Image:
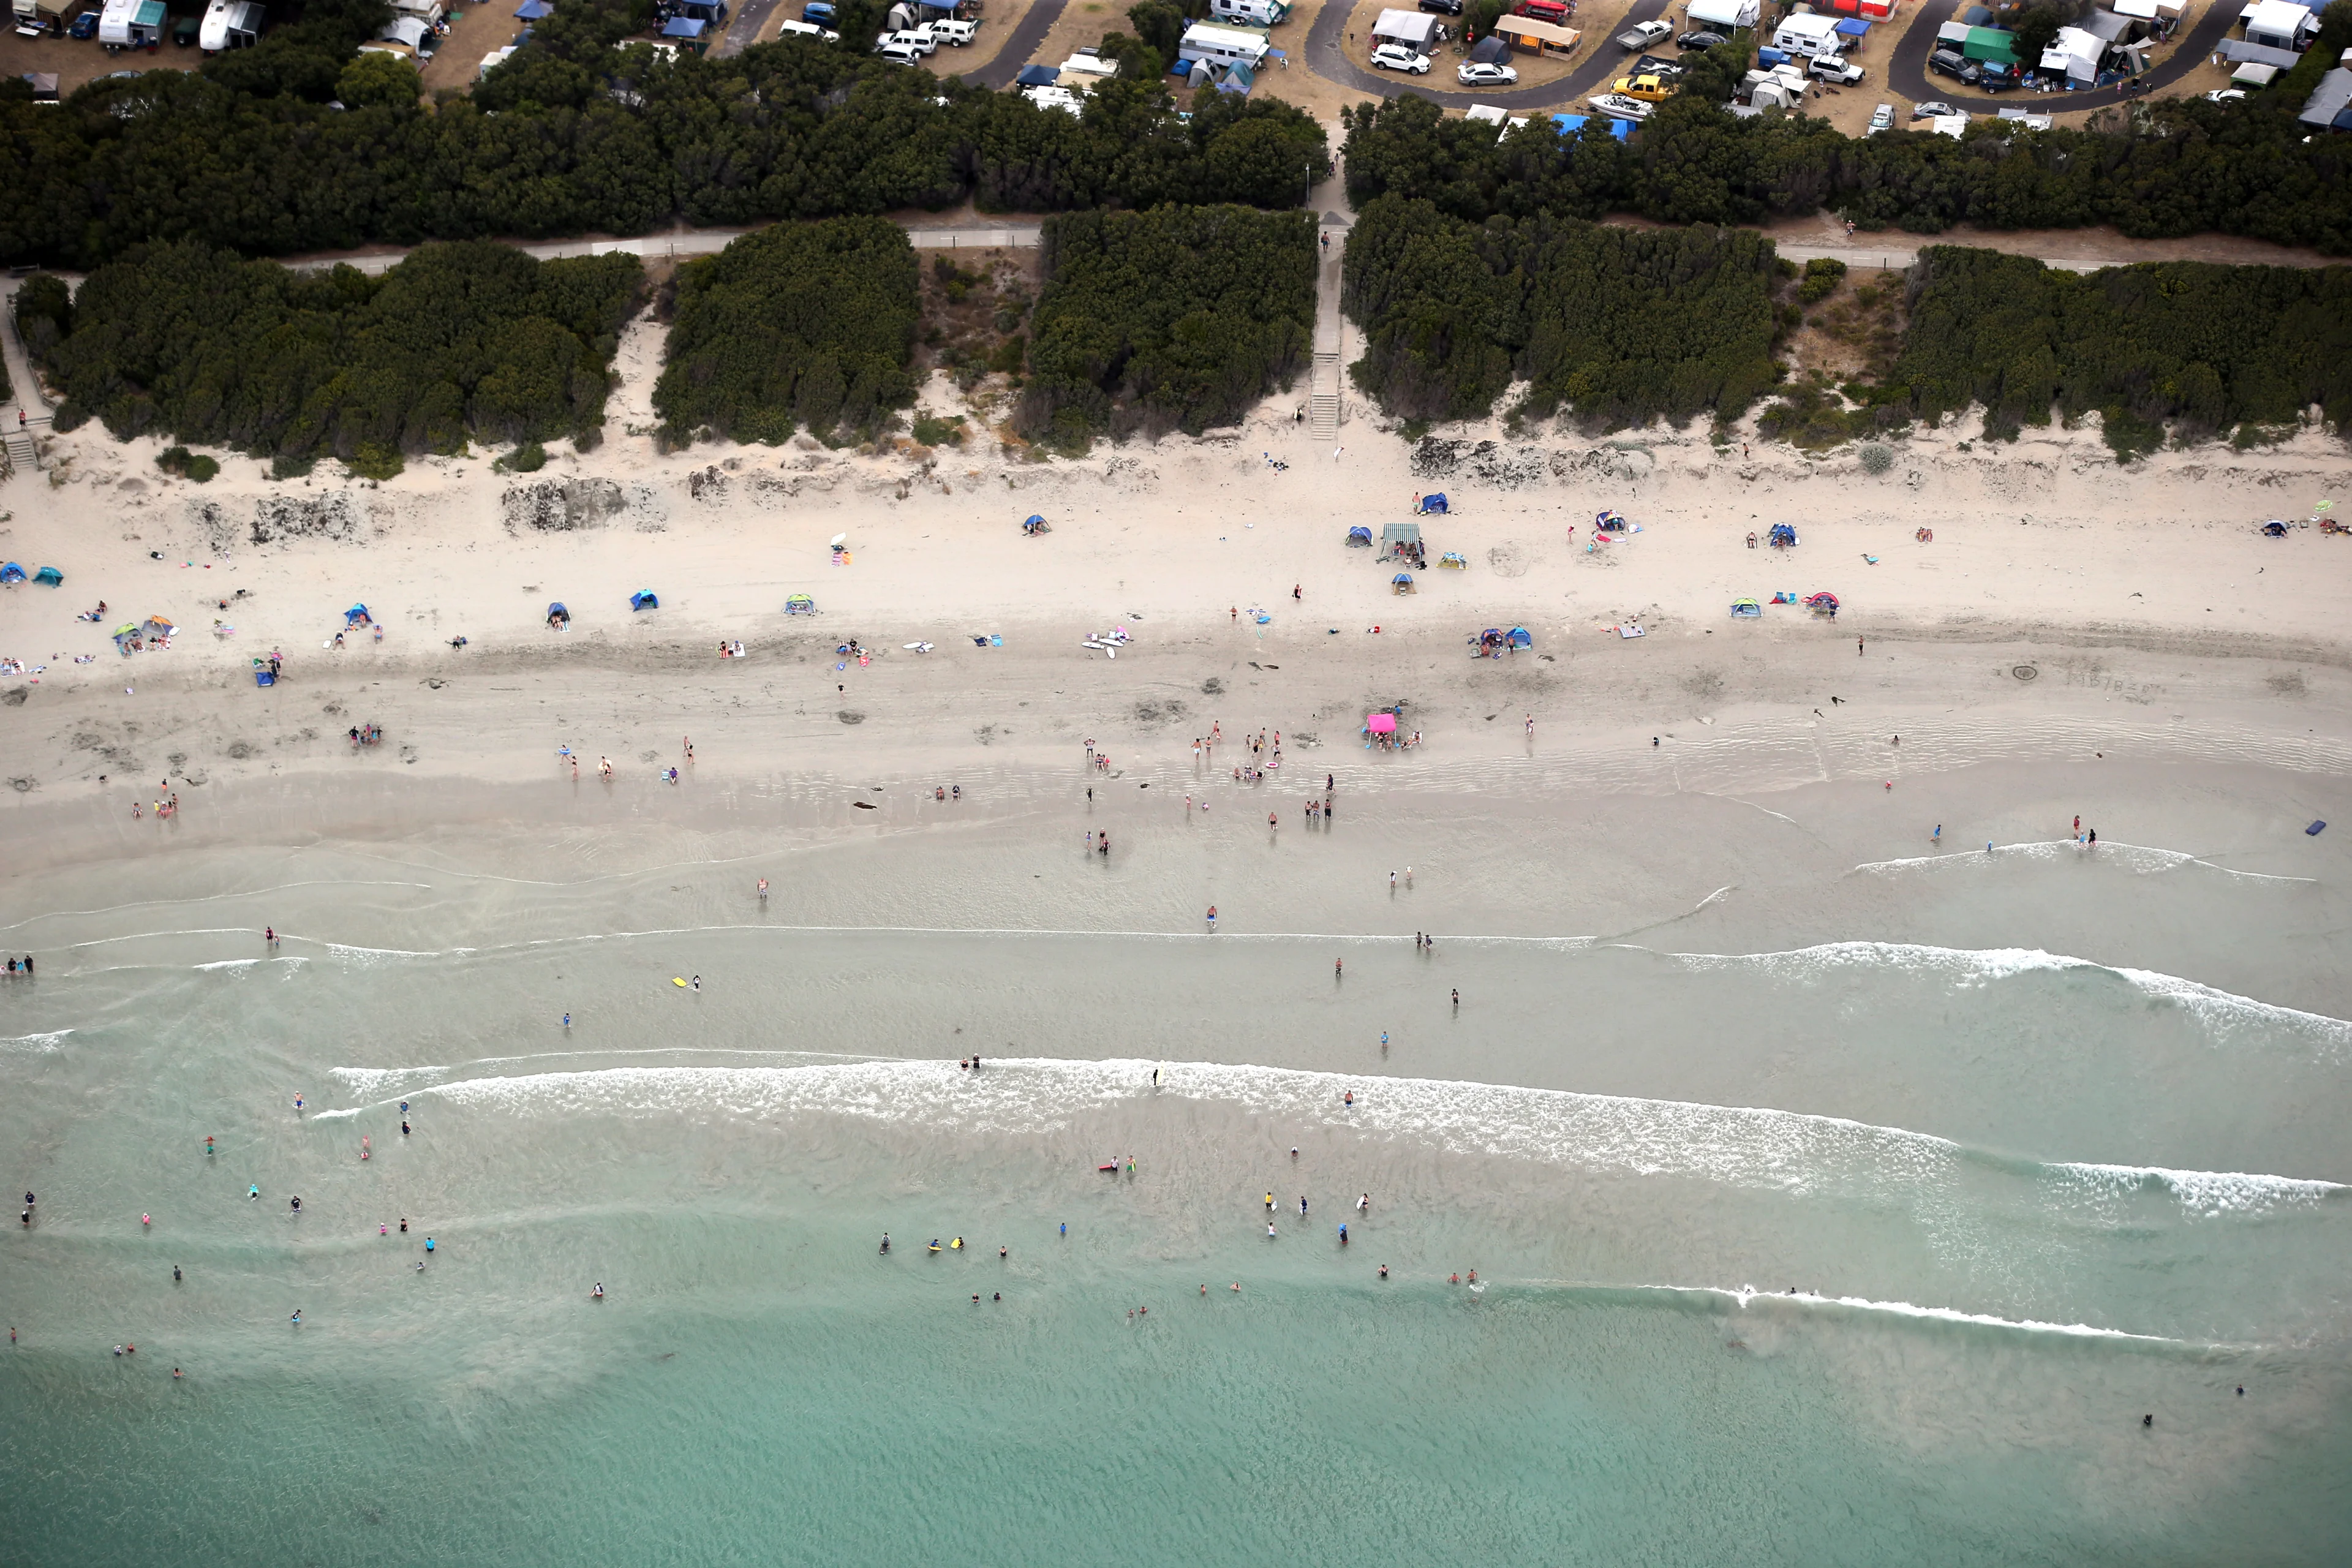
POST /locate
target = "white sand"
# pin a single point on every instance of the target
(2141, 592)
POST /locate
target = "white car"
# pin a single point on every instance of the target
(792, 29)
(1882, 119)
(899, 52)
(953, 32)
(918, 39)
(1397, 58)
(1833, 68)
(1617, 105)
(2225, 95)
(1479, 74)
(1641, 35)
(1934, 109)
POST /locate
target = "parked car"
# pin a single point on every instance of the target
(897, 51)
(918, 39)
(1397, 58)
(1641, 35)
(1648, 88)
(1700, 39)
(1955, 65)
(954, 34)
(1833, 68)
(2225, 95)
(85, 27)
(1475, 73)
(1673, 70)
(1882, 119)
(1441, 7)
(791, 28)
(1994, 77)
(1933, 108)
(185, 31)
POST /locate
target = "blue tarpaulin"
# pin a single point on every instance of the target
(1037, 76)
(1854, 27)
(687, 27)
(533, 10)
(1569, 124)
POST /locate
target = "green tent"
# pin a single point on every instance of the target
(1991, 44)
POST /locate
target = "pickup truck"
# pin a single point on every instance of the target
(1640, 37)
(953, 32)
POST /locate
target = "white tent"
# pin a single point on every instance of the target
(2075, 52)
(1725, 15)
(409, 30)
(2281, 25)
(1413, 29)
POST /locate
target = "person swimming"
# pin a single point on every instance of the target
(175, 1274)
(598, 1293)
(255, 1192)
(297, 1204)
(886, 1241)
(297, 1317)
(956, 1246)
(935, 1243)
(428, 1244)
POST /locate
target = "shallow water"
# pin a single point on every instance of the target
(2026, 1193)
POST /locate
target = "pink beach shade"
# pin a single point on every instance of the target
(1381, 723)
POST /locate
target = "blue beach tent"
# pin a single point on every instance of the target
(643, 599)
(49, 576)
(11, 572)
(1359, 537)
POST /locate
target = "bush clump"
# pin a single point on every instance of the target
(456, 340)
(1620, 325)
(192, 466)
(1823, 275)
(802, 324)
(1180, 318)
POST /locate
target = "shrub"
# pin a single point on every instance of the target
(285, 467)
(1620, 325)
(527, 458)
(1823, 275)
(192, 466)
(931, 432)
(1875, 459)
(1177, 318)
(479, 338)
(802, 324)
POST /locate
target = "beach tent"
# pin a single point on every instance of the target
(1430, 503)
(126, 633)
(1360, 537)
(156, 627)
(1453, 559)
(799, 604)
(1747, 608)
(1608, 523)
(11, 572)
(1782, 536)
(1380, 724)
(50, 575)
(557, 615)
(1520, 637)
(1401, 583)
(357, 616)
(1822, 604)
(643, 599)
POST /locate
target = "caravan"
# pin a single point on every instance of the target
(1807, 35)
(131, 25)
(1223, 48)
(229, 24)
(1248, 12)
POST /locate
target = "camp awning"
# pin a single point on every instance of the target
(1411, 28)
(533, 10)
(687, 27)
(2329, 99)
(1381, 723)
(1856, 29)
(1037, 76)
(2236, 50)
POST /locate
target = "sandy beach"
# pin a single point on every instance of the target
(1776, 1113)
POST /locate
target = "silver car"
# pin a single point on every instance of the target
(1476, 73)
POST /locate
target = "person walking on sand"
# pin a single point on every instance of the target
(1857, 647)
(604, 767)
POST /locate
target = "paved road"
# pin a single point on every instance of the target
(998, 73)
(744, 26)
(1906, 69)
(1327, 56)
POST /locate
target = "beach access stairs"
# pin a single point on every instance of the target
(1327, 376)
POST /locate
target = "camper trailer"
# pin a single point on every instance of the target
(35, 18)
(1248, 12)
(1221, 46)
(229, 24)
(131, 25)
(1807, 35)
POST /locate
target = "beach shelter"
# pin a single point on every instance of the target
(1608, 523)
(1746, 608)
(557, 615)
(1380, 724)
(11, 572)
(1359, 538)
(51, 576)
(799, 604)
(1784, 536)
(1823, 604)
(1453, 560)
(1430, 503)
(643, 599)
(357, 616)
(1401, 583)
(126, 634)
(1400, 534)
(156, 627)
(1520, 637)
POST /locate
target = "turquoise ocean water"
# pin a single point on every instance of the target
(2025, 1196)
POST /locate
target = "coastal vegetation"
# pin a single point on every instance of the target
(1179, 318)
(2202, 348)
(293, 146)
(458, 341)
(1620, 325)
(2154, 169)
(798, 325)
